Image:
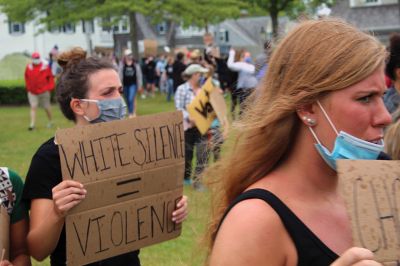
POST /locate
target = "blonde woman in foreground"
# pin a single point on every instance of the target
(277, 200)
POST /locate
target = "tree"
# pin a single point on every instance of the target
(202, 13)
(53, 13)
(288, 7)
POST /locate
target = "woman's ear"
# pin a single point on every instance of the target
(307, 114)
(77, 106)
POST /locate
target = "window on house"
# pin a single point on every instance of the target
(124, 25)
(16, 28)
(68, 28)
(162, 28)
(223, 36)
(88, 26)
(105, 24)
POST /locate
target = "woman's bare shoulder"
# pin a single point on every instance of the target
(251, 234)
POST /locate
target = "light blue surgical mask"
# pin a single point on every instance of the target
(109, 110)
(346, 146)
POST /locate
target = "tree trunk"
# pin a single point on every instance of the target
(171, 41)
(275, 24)
(133, 35)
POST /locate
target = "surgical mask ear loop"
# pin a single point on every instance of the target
(329, 121)
(90, 101)
(327, 118)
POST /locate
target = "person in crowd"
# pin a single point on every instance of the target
(276, 191)
(392, 140)
(262, 61)
(150, 76)
(131, 76)
(160, 72)
(169, 72)
(226, 77)
(184, 95)
(392, 97)
(88, 92)
(11, 187)
(178, 68)
(247, 80)
(195, 57)
(39, 82)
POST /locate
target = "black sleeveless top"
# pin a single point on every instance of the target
(311, 251)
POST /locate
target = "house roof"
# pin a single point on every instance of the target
(371, 18)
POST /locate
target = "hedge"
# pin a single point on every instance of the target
(13, 92)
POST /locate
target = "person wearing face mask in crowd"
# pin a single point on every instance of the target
(39, 82)
(184, 95)
(321, 101)
(88, 91)
(247, 81)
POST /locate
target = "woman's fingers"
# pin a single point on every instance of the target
(181, 212)
(356, 256)
(66, 195)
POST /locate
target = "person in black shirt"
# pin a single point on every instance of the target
(177, 69)
(169, 71)
(150, 76)
(277, 193)
(88, 91)
(131, 75)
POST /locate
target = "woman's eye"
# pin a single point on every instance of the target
(365, 99)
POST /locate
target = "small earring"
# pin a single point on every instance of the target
(311, 122)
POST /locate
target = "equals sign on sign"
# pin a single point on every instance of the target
(127, 182)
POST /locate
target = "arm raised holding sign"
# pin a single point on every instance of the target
(277, 189)
(88, 92)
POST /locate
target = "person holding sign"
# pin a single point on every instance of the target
(185, 94)
(277, 189)
(88, 92)
(11, 187)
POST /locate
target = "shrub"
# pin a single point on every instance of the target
(12, 92)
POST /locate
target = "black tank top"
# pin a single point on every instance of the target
(311, 251)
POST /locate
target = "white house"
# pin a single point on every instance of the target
(26, 37)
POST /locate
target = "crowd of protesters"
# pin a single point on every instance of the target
(280, 122)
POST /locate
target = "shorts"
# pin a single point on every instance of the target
(42, 99)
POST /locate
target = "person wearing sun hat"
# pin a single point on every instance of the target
(184, 95)
(39, 83)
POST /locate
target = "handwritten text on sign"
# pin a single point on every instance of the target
(132, 171)
(372, 193)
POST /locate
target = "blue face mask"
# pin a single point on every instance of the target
(347, 147)
(109, 110)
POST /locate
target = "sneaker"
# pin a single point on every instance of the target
(31, 128)
(143, 96)
(187, 182)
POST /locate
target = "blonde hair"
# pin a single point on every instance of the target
(392, 137)
(316, 57)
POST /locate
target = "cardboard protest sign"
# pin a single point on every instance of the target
(4, 232)
(371, 190)
(219, 105)
(150, 47)
(200, 109)
(133, 172)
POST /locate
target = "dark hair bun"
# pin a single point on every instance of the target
(72, 57)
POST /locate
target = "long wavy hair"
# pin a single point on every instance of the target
(316, 57)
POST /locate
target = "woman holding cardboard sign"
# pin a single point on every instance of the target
(14, 219)
(277, 192)
(88, 91)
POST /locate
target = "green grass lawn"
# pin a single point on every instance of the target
(17, 146)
